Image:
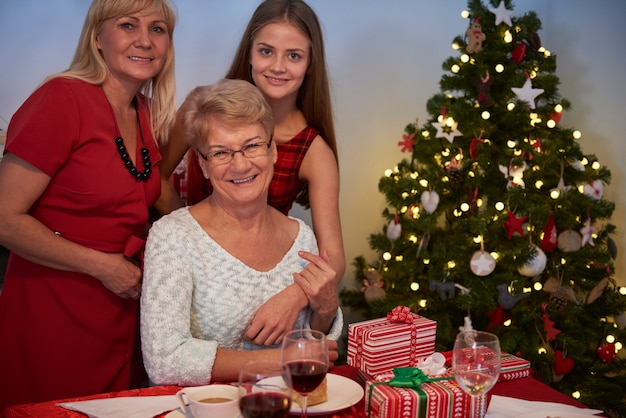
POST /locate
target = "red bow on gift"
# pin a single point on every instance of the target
(400, 314)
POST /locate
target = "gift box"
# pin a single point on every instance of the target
(379, 345)
(512, 367)
(437, 399)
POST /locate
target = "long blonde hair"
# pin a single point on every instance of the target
(89, 66)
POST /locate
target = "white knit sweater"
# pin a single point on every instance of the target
(197, 297)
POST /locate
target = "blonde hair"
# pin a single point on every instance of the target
(89, 66)
(231, 102)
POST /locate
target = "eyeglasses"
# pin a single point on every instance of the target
(226, 155)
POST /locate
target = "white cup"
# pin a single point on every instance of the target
(211, 401)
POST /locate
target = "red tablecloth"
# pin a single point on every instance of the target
(525, 388)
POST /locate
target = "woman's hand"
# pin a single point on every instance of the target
(276, 317)
(318, 281)
(120, 275)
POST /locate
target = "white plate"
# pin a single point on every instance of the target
(554, 414)
(342, 393)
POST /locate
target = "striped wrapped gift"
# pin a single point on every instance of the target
(439, 399)
(512, 367)
(379, 345)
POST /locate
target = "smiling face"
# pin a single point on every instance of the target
(134, 47)
(242, 180)
(279, 59)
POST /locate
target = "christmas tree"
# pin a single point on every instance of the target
(497, 216)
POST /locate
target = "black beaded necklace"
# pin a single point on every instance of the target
(145, 154)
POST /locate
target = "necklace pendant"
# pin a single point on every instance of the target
(145, 154)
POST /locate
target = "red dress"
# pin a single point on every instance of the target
(63, 334)
(285, 183)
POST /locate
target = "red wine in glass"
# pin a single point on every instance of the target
(304, 354)
(306, 375)
(265, 405)
(264, 389)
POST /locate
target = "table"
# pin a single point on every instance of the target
(526, 388)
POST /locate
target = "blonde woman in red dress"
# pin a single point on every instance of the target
(76, 182)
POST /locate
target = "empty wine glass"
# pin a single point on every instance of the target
(305, 354)
(265, 390)
(476, 363)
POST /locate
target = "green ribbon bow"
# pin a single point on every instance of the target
(406, 377)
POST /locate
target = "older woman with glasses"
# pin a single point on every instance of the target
(210, 267)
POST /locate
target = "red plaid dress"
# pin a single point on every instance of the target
(285, 184)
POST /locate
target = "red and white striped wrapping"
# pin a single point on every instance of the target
(513, 367)
(441, 399)
(379, 345)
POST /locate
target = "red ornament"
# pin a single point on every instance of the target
(473, 148)
(534, 41)
(519, 53)
(556, 117)
(483, 86)
(497, 318)
(536, 144)
(548, 325)
(549, 241)
(407, 143)
(562, 365)
(606, 352)
(514, 224)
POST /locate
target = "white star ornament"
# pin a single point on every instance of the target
(502, 14)
(587, 231)
(482, 263)
(452, 132)
(527, 93)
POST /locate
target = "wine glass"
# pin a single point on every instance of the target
(265, 390)
(476, 363)
(305, 354)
